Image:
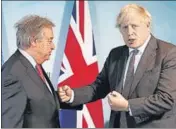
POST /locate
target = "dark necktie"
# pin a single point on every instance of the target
(129, 74)
(127, 85)
(40, 72)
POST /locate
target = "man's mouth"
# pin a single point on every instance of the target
(49, 53)
(131, 41)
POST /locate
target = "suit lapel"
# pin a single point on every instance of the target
(52, 89)
(148, 56)
(120, 68)
(32, 73)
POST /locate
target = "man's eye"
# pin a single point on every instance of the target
(134, 26)
(125, 27)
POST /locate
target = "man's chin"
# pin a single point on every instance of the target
(133, 45)
(47, 58)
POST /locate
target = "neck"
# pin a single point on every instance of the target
(35, 55)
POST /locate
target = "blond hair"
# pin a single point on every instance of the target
(146, 16)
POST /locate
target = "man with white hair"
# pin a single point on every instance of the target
(28, 97)
(139, 77)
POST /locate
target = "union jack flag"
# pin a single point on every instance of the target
(79, 68)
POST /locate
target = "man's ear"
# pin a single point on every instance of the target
(33, 42)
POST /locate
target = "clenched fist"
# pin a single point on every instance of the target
(65, 93)
(117, 102)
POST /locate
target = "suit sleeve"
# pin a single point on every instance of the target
(165, 94)
(13, 103)
(97, 90)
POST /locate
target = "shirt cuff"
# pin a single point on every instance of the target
(129, 109)
(72, 98)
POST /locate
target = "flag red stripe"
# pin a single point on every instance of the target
(83, 74)
(81, 18)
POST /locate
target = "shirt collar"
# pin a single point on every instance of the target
(29, 57)
(141, 48)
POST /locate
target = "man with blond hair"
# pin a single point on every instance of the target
(28, 97)
(139, 77)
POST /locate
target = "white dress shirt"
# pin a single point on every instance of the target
(32, 61)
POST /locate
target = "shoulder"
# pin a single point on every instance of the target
(118, 50)
(12, 66)
(12, 72)
(116, 53)
(167, 51)
(165, 47)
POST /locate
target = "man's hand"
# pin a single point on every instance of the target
(65, 93)
(117, 102)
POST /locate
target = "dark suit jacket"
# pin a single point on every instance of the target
(152, 97)
(26, 100)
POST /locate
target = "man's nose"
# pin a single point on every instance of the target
(52, 46)
(130, 31)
